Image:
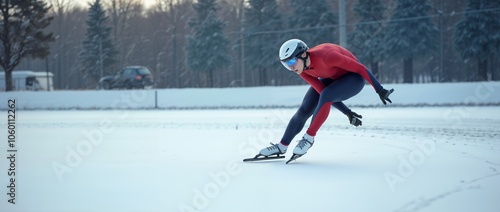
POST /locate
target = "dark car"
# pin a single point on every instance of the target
(129, 77)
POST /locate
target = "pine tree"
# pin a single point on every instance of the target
(315, 16)
(477, 35)
(98, 54)
(366, 40)
(261, 46)
(207, 47)
(410, 34)
(22, 35)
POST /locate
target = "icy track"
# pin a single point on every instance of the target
(401, 159)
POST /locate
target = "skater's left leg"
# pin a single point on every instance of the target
(295, 124)
(338, 91)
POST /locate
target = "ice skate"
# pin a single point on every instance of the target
(304, 144)
(275, 151)
(301, 149)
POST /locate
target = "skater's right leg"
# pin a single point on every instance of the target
(300, 117)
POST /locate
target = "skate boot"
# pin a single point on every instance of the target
(304, 144)
(274, 149)
(301, 149)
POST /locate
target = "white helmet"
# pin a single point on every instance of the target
(291, 49)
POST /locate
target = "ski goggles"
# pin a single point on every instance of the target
(290, 63)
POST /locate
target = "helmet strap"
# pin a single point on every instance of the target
(305, 60)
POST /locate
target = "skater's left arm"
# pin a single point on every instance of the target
(354, 118)
(313, 81)
(341, 107)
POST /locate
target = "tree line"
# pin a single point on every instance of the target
(225, 43)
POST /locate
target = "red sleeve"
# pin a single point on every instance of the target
(335, 58)
(313, 81)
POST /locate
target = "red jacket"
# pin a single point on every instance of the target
(333, 61)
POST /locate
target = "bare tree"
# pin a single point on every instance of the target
(59, 50)
(125, 34)
(21, 34)
(168, 25)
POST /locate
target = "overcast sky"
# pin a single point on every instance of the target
(147, 3)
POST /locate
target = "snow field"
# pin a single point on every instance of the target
(405, 95)
(401, 159)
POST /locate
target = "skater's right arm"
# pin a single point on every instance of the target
(342, 58)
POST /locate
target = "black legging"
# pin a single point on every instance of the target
(335, 92)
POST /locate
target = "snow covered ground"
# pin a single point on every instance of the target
(401, 159)
(434, 94)
(406, 158)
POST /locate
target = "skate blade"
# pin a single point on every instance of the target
(294, 157)
(260, 157)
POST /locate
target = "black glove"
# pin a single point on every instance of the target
(354, 119)
(384, 95)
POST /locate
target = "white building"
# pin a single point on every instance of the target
(28, 80)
